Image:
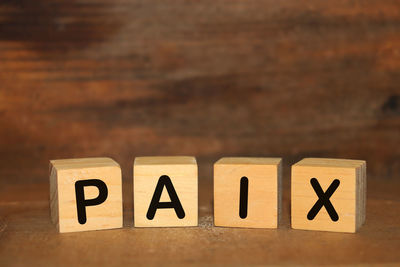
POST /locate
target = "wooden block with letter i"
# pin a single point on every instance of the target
(165, 191)
(85, 194)
(328, 194)
(247, 192)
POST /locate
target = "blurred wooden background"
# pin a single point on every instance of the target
(217, 78)
(205, 78)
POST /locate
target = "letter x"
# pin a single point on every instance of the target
(323, 200)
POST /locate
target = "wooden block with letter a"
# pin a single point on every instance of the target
(85, 194)
(247, 192)
(328, 194)
(165, 191)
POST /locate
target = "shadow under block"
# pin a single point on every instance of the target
(151, 173)
(64, 175)
(263, 194)
(347, 195)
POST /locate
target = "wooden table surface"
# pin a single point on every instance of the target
(212, 78)
(27, 236)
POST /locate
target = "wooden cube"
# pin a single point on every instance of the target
(85, 194)
(165, 191)
(328, 194)
(247, 192)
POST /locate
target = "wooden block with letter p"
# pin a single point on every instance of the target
(328, 194)
(247, 192)
(85, 194)
(165, 191)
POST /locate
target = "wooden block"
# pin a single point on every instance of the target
(247, 192)
(85, 194)
(328, 194)
(165, 191)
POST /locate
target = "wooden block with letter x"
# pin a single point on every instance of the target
(85, 194)
(247, 192)
(165, 191)
(328, 194)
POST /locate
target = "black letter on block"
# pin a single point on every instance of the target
(324, 200)
(82, 203)
(244, 195)
(155, 201)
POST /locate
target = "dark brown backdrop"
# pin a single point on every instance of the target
(204, 78)
(213, 78)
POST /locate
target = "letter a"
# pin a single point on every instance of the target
(155, 201)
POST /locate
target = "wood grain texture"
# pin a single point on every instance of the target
(25, 218)
(122, 78)
(348, 198)
(263, 207)
(127, 78)
(182, 172)
(63, 203)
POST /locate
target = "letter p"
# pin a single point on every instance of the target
(82, 203)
